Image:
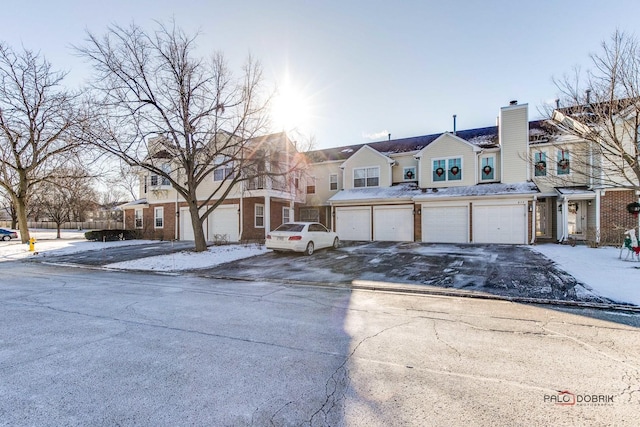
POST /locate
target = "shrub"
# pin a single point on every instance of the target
(111, 235)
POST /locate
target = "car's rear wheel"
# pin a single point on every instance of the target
(336, 243)
(310, 248)
(5, 238)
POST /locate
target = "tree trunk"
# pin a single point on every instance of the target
(21, 211)
(58, 231)
(196, 222)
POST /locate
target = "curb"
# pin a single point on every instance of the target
(405, 288)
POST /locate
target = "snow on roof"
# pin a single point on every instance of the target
(412, 191)
(134, 203)
(574, 190)
(401, 191)
(480, 190)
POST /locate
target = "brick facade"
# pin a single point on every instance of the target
(614, 217)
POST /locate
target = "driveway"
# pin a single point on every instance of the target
(505, 270)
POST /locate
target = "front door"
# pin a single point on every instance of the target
(543, 228)
(577, 218)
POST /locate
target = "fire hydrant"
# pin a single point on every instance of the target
(32, 246)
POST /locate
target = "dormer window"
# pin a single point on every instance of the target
(409, 173)
(564, 162)
(366, 177)
(447, 169)
(487, 168)
(540, 163)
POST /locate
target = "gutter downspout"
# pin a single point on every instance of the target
(177, 220)
(598, 217)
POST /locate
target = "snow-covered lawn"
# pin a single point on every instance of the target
(600, 269)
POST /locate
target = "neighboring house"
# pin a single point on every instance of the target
(513, 183)
(250, 210)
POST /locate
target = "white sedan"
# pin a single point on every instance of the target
(301, 237)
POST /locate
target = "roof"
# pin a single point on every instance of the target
(410, 191)
(486, 137)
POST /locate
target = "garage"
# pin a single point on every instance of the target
(223, 224)
(445, 224)
(186, 229)
(354, 223)
(393, 223)
(500, 223)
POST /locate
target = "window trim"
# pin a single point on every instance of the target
(256, 216)
(224, 165)
(288, 210)
(332, 182)
(544, 158)
(562, 152)
(311, 185)
(156, 218)
(136, 218)
(446, 169)
(366, 177)
(414, 171)
(493, 168)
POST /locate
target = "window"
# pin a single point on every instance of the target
(333, 181)
(311, 185)
(309, 215)
(259, 216)
(454, 171)
(166, 168)
(540, 163)
(138, 218)
(154, 180)
(158, 214)
(487, 168)
(224, 168)
(318, 227)
(447, 169)
(439, 167)
(564, 164)
(286, 215)
(409, 173)
(366, 177)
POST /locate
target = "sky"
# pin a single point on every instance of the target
(355, 71)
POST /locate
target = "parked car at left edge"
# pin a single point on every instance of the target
(301, 237)
(7, 234)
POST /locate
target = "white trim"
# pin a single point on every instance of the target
(481, 172)
(135, 219)
(156, 217)
(365, 168)
(256, 216)
(446, 170)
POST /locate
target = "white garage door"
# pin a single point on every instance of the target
(393, 223)
(186, 230)
(500, 224)
(223, 224)
(445, 224)
(354, 223)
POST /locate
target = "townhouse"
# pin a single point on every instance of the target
(513, 183)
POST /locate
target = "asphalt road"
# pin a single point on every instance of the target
(91, 347)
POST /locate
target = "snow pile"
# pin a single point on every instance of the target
(187, 260)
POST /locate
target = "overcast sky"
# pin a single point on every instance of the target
(358, 70)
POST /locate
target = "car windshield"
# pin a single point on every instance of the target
(290, 227)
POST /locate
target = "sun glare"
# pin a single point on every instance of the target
(290, 109)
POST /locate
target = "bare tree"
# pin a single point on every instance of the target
(601, 109)
(37, 117)
(9, 208)
(178, 116)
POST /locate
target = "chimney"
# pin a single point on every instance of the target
(557, 103)
(588, 92)
(389, 137)
(513, 135)
(454, 124)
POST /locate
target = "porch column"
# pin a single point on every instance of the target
(565, 219)
(267, 215)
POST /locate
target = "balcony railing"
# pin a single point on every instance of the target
(278, 183)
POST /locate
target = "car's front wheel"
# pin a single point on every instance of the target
(336, 243)
(310, 248)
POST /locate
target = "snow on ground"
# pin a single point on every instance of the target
(191, 260)
(71, 241)
(601, 269)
